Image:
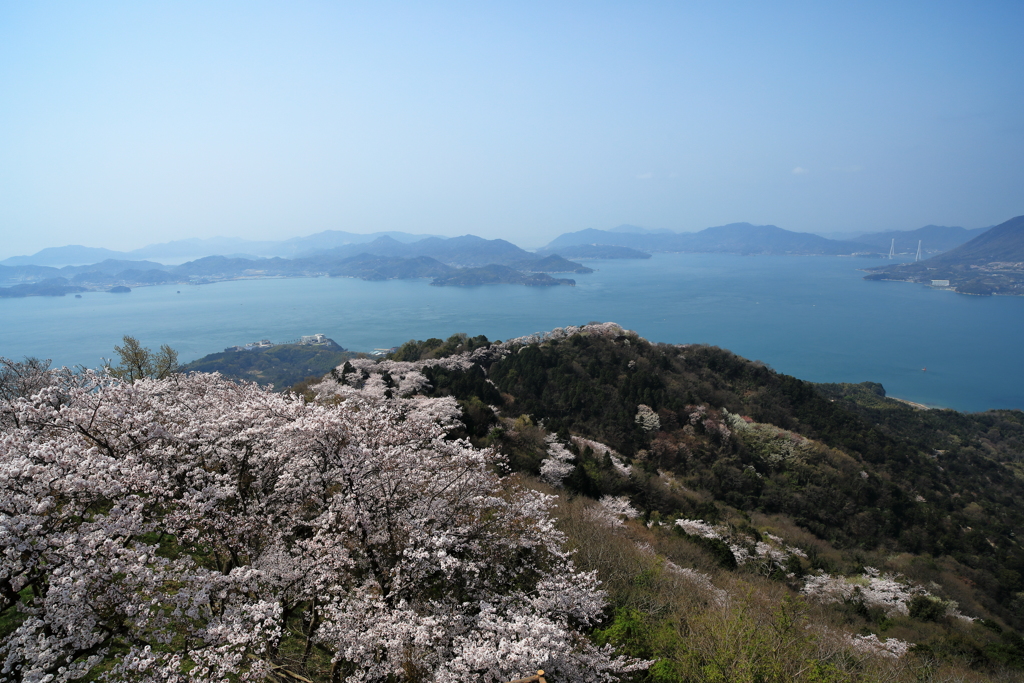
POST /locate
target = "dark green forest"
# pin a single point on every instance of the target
(282, 365)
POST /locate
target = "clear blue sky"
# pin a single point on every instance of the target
(122, 124)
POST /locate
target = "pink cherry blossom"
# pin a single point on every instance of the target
(180, 529)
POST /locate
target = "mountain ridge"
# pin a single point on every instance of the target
(934, 238)
(991, 263)
(192, 248)
(742, 238)
(693, 442)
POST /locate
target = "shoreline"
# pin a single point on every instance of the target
(922, 406)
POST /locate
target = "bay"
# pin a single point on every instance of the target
(812, 317)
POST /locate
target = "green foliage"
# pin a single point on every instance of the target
(283, 365)
(763, 631)
(716, 548)
(413, 350)
(753, 637)
(926, 608)
(1009, 650)
(11, 619)
(137, 361)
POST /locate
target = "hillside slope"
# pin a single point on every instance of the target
(1004, 242)
(744, 525)
(280, 365)
(693, 432)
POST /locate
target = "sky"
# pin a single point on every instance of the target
(128, 123)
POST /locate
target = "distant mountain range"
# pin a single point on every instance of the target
(190, 249)
(991, 263)
(464, 251)
(934, 239)
(744, 238)
(466, 260)
(735, 238)
(448, 260)
(629, 241)
(1002, 244)
(495, 274)
(637, 230)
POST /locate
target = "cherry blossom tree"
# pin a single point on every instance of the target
(193, 528)
(647, 418)
(558, 465)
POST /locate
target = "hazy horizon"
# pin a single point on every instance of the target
(228, 246)
(125, 125)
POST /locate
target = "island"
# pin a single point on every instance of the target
(460, 261)
(494, 274)
(54, 286)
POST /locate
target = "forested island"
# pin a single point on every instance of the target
(581, 501)
(462, 261)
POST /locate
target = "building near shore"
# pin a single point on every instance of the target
(313, 339)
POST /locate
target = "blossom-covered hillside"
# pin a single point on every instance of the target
(197, 529)
(580, 501)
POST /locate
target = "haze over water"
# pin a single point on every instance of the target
(125, 123)
(812, 317)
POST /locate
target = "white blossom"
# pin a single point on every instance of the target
(595, 446)
(696, 527)
(558, 465)
(171, 528)
(891, 648)
(769, 555)
(601, 449)
(891, 593)
(611, 509)
(647, 418)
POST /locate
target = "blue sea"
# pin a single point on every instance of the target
(808, 316)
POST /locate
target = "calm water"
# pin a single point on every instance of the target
(812, 317)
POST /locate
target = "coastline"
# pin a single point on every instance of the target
(730, 301)
(916, 405)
